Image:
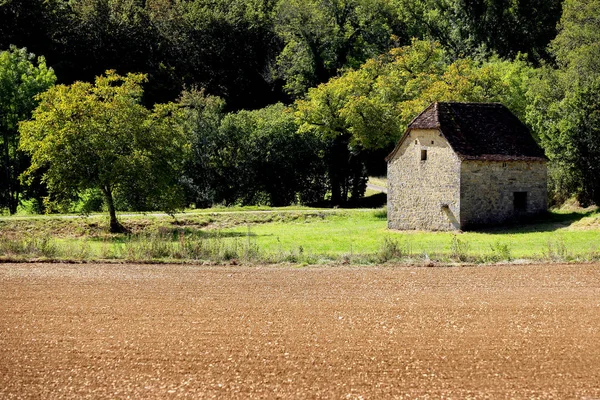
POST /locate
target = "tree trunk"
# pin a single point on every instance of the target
(15, 186)
(336, 193)
(12, 209)
(115, 225)
(338, 169)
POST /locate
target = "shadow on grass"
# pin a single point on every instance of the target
(547, 222)
(175, 235)
(374, 201)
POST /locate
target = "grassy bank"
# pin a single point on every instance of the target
(304, 236)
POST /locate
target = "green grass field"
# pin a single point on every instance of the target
(298, 235)
(357, 232)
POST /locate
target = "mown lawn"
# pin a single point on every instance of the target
(296, 235)
(364, 232)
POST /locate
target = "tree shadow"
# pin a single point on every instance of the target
(374, 201)
(545, 222)
(175, 234)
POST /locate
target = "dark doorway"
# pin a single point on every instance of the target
(520, 201)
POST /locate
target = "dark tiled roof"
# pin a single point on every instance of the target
(480, 131)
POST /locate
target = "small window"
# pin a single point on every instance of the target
(423, 155)
(520, 201)
(432, 142)
(416, 141)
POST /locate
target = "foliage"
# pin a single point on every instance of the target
(223, 45)
(202, 119)
(357, 79)
(250, 157)
(459, 249)
(564, 105)
(480, 28)
(374, 103)
(569, 130)
(369, 108)
(274, 160)
(577, 45)
(100, 137)
(322, 37)
(252, 52)
(22, 76)
(35, 25)
(393, 249)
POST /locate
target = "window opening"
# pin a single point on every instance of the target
(520, 201)
(423, 155)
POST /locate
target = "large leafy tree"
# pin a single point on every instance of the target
(321, 37)
(374, 104)
(369, 108)
(563, 104)
(577, 45)
(226, 47)
(568, 126)
(22, 77)
(106, 34)
(32, 24)
(99, 136)
(271, 163)
(480, 27)
(249, 157)
(202, 118)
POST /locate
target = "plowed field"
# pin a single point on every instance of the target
(168, 331)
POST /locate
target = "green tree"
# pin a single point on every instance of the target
(369, 108)
(278, 166)
(202, 118)
(32, 24)
(568, 126)
(577, 45)
(249, 157)
(323, 36)
(224, 46)
(478, 28)
(99, 136)
(374, 104)
(563, 104)
(22, 77)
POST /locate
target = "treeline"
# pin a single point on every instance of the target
(254, 53)
(295, 101)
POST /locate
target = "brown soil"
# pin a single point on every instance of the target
(166, 331)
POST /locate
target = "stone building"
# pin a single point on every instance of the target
(462, 165)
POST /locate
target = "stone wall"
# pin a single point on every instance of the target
(424, 194)
(488, 189)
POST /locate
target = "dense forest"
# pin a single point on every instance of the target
(162, 104)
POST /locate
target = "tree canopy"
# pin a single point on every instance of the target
(99, 136)
(22, 77)
(249, 157)
(253, 53)
(563, 104)
(374, 103)
(252, 92)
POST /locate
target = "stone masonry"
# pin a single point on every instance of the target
(418, 189)
(463, 165)
(488, 191)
